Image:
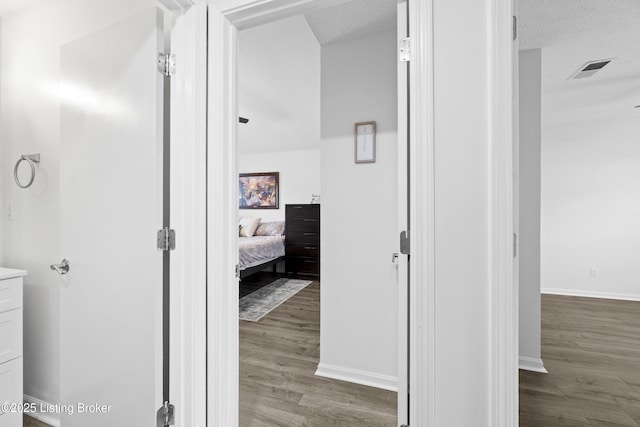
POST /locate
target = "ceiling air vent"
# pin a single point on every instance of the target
(589, 69)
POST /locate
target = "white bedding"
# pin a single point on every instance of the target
(257, 250)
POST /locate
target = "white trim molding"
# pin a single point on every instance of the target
(50, 418)
(532, 364)
(504, 298)
(222, 220)
(590, 294)
(422, 397)
(188, 216)
(357, 376)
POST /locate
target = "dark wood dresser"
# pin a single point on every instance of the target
(302, 243)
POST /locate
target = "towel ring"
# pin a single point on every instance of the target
(32, 159)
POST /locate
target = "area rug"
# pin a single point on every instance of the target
(258, 304)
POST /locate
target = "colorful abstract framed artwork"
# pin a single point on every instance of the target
(258, 190)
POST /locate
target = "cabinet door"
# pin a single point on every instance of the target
(10, 335)
(11, 392)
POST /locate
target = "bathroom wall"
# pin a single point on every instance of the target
(30, 123)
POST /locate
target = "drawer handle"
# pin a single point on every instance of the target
(297, 207)
(310, 234)
(310, 220)
(310, 262)
(310, 247)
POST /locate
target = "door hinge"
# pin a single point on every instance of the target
(405, 243)
(237, 270)
(166, 239)
(166, 415)
(515, 245)
(166, 64)
(515, 28)
(404, 53)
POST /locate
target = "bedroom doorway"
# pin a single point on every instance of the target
(301, 92)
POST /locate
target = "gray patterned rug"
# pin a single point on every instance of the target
(256, 305)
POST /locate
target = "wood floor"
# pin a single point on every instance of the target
(278, 358)
(32, 422)
(591, 348)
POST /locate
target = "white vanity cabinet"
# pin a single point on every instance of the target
(10, 346)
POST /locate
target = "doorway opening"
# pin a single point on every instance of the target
(303, 84)
(578, 165)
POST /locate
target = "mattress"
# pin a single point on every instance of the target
(257, 250)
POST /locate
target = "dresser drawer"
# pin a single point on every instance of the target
(303, 211)
(303, 224)
(10, 294)
(310, 250)
(303, 266)
(10, 335)
(303, 238)
(11, 391)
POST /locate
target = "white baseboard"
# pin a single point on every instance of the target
(590, 294)
(532, 364)
(370, 379)
(51, 419)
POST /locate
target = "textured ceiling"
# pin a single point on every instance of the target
(573, 32)
(353, 19)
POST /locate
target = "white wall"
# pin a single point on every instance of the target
(299, 178)
(2, 173)
(359, 212)
(279, 87)
(279, 92)
(590, 208)
(530, 110)
(30, 123)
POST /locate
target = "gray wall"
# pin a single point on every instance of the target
(359, 325)
(530, 68)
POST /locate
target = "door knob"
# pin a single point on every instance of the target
(62, 268)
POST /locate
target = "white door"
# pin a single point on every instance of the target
(111, 208)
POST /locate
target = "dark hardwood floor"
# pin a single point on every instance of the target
(32, 422)
(278, 358)
(256, 281)
(591, 349)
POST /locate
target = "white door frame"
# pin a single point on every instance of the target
(188, 387)
(225, 17)
(403, 223)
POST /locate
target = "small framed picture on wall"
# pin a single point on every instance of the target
(365, 142)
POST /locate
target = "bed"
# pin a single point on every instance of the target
(260, 246)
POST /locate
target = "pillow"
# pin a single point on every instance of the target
(275, 228)
(248, 226)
